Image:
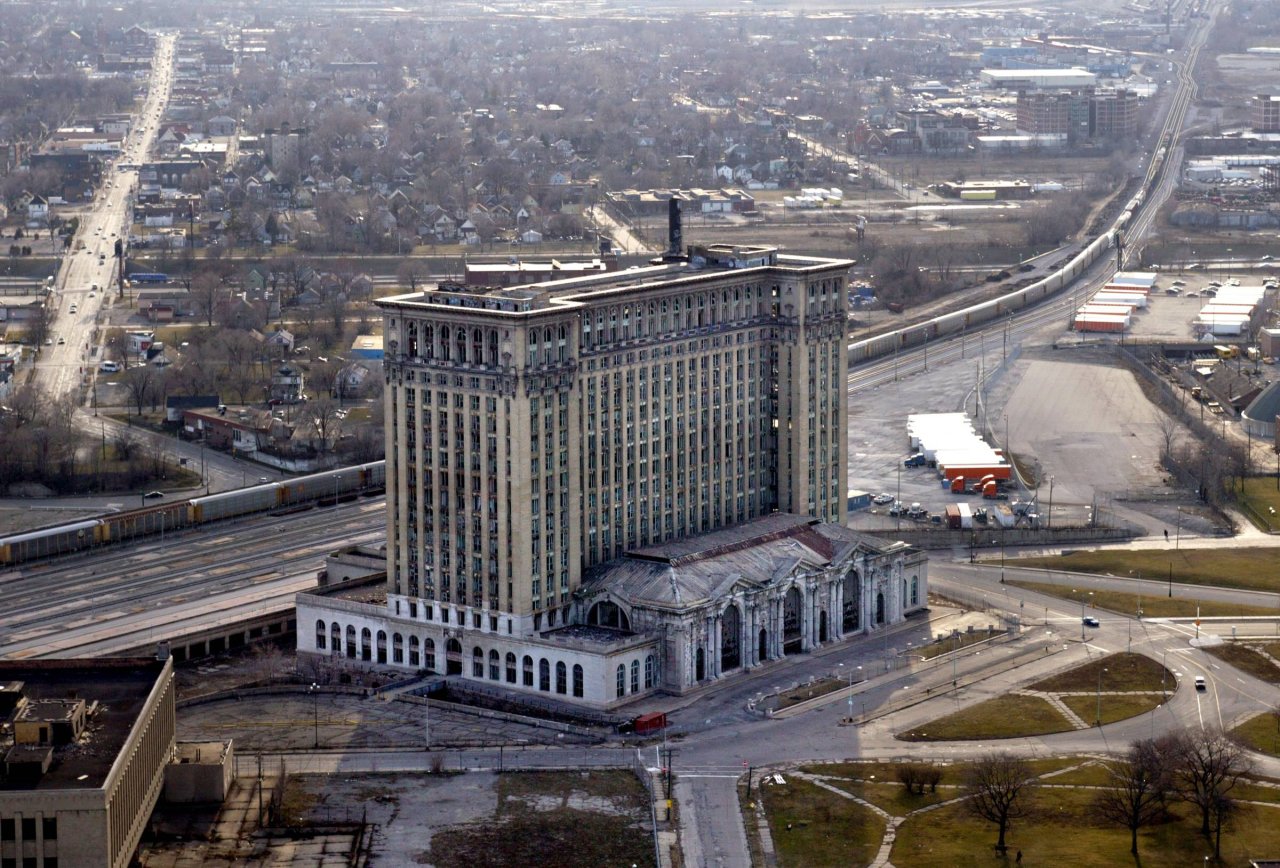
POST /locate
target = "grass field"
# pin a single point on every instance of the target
(1254, 569)
(1260, 500)
(1123, 672)
(1113, 707)
(1009, 716)
(1158, 606)
(1261, 733)
(813, 828)
(1247, 659)
(1065, 830)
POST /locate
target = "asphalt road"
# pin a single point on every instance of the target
(66, 363)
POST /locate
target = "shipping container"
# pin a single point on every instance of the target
(859, 500)
(971, 471)
(953, 516)
(978, 195)
(1102, 322)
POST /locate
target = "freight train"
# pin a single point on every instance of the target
(131, 524)
(993, 309)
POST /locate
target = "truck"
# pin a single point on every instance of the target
(917, 460)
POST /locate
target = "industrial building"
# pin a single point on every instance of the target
(85, 751)
(1264, 113)
(545, 440)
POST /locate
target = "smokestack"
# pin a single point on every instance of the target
(675, 233)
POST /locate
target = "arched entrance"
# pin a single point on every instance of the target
(453, 657)
(792, 621)
(730, 639)
(851, 608)
(762, 652)
(700, 665)
(607, 614)
(822, 626)
(879, 607)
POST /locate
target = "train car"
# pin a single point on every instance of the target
(376, 475)
(146, 521)
(50, 541)
(229, 504)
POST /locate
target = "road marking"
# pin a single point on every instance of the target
(685, 775)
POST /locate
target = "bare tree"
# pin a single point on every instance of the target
(322, 418)
(207, 292)
(39, 324)
(999, 787)
(411, 273)
(1140, 786)
(1207, 766)
(140, 382)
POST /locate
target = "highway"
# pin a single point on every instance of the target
(85, 276)
(120, 597)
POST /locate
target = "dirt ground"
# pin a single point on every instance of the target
(476, 820)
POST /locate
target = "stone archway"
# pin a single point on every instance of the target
(879, 607)
(700, 665)
(792, 622)
(730, 639)
(851, 608)
(822, 626)
(762, 650)
(453, 657)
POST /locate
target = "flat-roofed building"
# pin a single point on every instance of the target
(84, 758)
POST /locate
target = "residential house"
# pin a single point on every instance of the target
(286, 385)
(38, 210)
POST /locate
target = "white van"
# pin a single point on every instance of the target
(109, 367)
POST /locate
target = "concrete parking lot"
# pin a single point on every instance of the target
(1069, 413)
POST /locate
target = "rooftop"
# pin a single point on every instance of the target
(702, 262)
(705, 567)
(115, 691)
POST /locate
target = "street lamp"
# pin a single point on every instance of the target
(315, 712)
(336, 480)
(1073, 590)
(1098, 720)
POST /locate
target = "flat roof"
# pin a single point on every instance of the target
(116, 690)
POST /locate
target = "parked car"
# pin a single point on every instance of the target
(882, 498)
(897, 509)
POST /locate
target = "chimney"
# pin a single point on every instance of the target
(675, 233)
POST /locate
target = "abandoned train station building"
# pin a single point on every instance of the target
(612, 484)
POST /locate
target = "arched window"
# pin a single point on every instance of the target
(730, 639)
(322, 635)
(635, 676)
(351, 642)
(335, 638)
(429, 341)
(460, 341)
(477, 663)
(382, 646)
(397, 648)
(412, 335)
(511, 668)
(366, 644)
(477, 346)
(429, 653)
(621, 681)
(495, 666)
(577, 680)
(526, 666)
(648, 672)
(915, 590)
(562, 680)
(415, 654)
(544, 675)
(851, 605)
(493, 347)
(444, 343)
